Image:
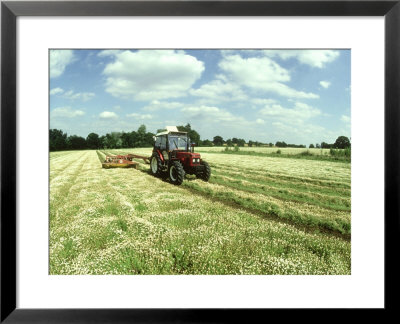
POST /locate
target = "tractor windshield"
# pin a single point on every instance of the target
(178, 142)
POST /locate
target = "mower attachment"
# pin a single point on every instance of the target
(119, 161)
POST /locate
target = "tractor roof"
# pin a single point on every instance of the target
(171, 130)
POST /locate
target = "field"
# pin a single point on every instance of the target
(269, 150)
(256, 215)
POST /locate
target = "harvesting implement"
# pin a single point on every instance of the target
(122, 161)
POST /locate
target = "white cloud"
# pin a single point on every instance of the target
(260, 121)
(66, 112)
(294, 116)
(345, 119)
(140, 116)
(162, 105)
(84, 96)
(59, 59)
(55, 91)
(304, 133)
(212, 115)
(109, 53)
(108, 115)
(261, 74)
(218, 90)
(325, 84)
(261, 101)
(314, 58)
(152, 74)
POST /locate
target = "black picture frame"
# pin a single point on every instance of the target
(10, 10)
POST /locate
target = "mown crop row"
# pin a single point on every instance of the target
(310, 193)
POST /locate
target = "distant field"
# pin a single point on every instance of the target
(256, 215)
(284, 150)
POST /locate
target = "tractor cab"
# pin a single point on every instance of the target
(172, 152)
(172, 141)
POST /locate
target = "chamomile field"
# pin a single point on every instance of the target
(258, 215)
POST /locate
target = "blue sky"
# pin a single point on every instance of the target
(296, 96)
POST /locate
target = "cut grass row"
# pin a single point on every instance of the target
(322, 204)
(279, 183)
(306, 155)
(300, 214)
(314, 198)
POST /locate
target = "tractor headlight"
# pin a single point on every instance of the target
(194, 160)
(198, 160)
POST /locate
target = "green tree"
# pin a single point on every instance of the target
(325, 145)
(311, 146)
(57, 140)
(102, 140)
(218, 140)
(93, 141)
(342, 142)
(113, 140)
(75, 142)
(241, 142)
(193, 135)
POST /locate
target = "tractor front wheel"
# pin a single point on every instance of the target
(155, 165)
(206, 173)
(176, 173)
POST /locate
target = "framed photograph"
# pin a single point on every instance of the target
(175, 160)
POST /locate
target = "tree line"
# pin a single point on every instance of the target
(342, 142)
(60, 141)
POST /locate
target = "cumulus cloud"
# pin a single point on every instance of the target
(84, 96)
(262, 101)
(59, 59)
(313, 58)
(105, 53)
(108, 115)
(345, 119)
(140, 116)
(151, 74)
(260, 121)
(56, 91)
(164, 105)
(218, 90)
(296, 115)
(71, 95)
(211, 114)
(65, 112)
(262, 74)
(325, 84)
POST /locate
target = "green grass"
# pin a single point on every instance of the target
(334, 157)
(273, 210)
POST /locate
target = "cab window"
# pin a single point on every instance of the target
(161, 143)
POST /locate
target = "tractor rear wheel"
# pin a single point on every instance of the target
(176, 173)
(206, 173)
(155, 165)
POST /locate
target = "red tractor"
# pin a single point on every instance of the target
(173, 155)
